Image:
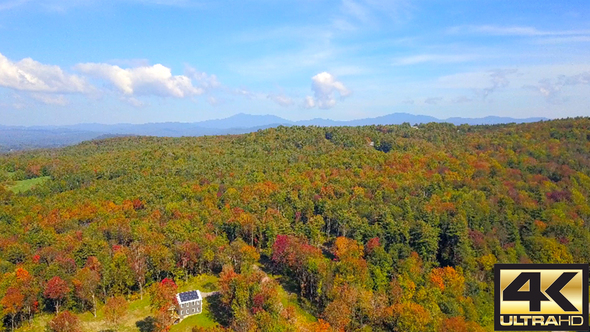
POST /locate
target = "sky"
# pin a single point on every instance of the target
(138, 61)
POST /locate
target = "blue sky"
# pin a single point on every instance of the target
(137, 61)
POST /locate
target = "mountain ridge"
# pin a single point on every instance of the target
(23, 137)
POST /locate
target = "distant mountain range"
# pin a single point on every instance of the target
(20, 138)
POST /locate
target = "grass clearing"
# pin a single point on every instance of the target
(204, 283)
(24, 185)
(204, 319)
(38, 324)
(290, 299)
(138, 311)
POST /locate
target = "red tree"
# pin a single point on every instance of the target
(57, 289)
(163, 294)
(163, 297)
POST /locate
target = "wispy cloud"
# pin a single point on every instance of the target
(5, 5)
(498, 80)
(433, 58)
(482, 83)
(514, 31)
(205, 80)
(356, 10)
(461, 99)
(280, 65)
(563, 40)
(281, 99)
(371, 13)
(63, 5)
(50, 99)
(433, 100)
(551, 88)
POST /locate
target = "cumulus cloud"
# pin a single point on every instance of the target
(309, 102)
(325, 88)
(281, 99)
(30, 75)
(152, 80)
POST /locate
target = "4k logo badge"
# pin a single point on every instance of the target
(541, 297)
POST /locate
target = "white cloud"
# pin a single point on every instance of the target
(563, 40)
(281, 99)
(543, 37)
(50, 99)
(30, 75)
(213, 101)
(514, 31)
(4, 5)
(64, 5)
(498, 80)
(325, 88)
(132, 101)
(433, 58)
(551, 89)
(356, 10)
(371, 13)
(152, 80)
(206, 81)
(243, 92)
(482, 83)
(309, 102)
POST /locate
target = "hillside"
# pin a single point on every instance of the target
(374, 228)
(26, 138)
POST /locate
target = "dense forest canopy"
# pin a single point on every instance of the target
(376, 228)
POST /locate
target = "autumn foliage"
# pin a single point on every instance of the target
(65, 322)
(306, 228)
(56, 289)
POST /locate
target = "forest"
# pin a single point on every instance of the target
(372, 228)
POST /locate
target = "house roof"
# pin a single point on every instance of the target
(188, 296)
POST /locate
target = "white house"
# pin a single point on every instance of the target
(189, 303)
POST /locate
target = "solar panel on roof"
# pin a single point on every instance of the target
(188, 296)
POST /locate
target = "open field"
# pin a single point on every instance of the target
(24, 185)
(138, 311)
